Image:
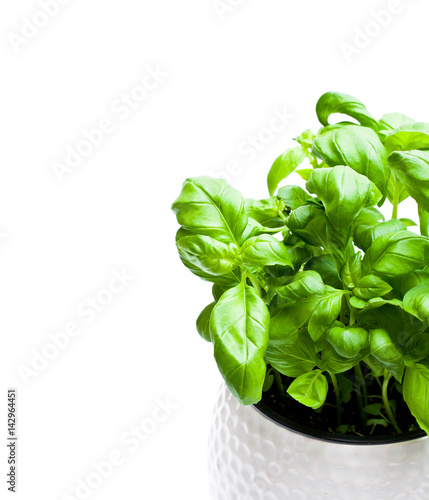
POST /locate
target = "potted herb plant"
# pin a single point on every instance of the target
(319, 319)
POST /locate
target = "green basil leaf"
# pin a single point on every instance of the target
(239, 326)
(283, 166)
(417, 346)
(306, 138)
(416, 393)
(357, 303)
(267, 212)
(304, 173)
(203, 322)
(311, 224)
(407, 137)
(374, 409)
(396, 253)
(424, 221)
(335, 102)
(310, 389)
(300, 286)
(405, 283)
(264, 250)
(181, 233)
(384, 351)
(371, 286)
(365, 236)
(335, 363)
(396, 187)
(207, 254)
(408, 222)
(377, 302)
(412, 169)
(319, 311)
(369, 216)
(293, 196)
(218, 291)
(358, 148)
(392, 121)
(211, 207)
(292, 360)
(343, 192)
(325, 266)
(348, 341)
(416, 302)
(351, 272)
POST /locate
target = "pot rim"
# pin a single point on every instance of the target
(284, 422)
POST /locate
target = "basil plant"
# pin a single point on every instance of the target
(313, 290)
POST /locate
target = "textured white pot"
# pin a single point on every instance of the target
(253, 458)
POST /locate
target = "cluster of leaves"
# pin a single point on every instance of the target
(315, 284)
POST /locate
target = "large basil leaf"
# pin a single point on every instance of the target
(239, 326)
(207, 254)
(416, 393)
(318, 311)
(310, 389)
(371, 286)
(335, 102)
(203, 322)
(412, 169)
(292, 360)
(396, 253)
(392, 121)
(365, 236)
(343, 192)
(348, 341)
(264, 250)
(416, 302)
(300, 286)
(283, 166)
(211, 207)
(356, 147)
(384, 351)
(407, 137)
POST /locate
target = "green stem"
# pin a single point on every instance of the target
(343, 310)
(395, 200)
(279, 382)
(255, 283)
(337, 396)
(313, 160)
(362, 386)
(387, 377)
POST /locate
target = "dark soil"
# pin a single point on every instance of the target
(326, 418)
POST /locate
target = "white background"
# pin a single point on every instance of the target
(229, 72)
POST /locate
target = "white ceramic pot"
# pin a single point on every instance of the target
(252, 457)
